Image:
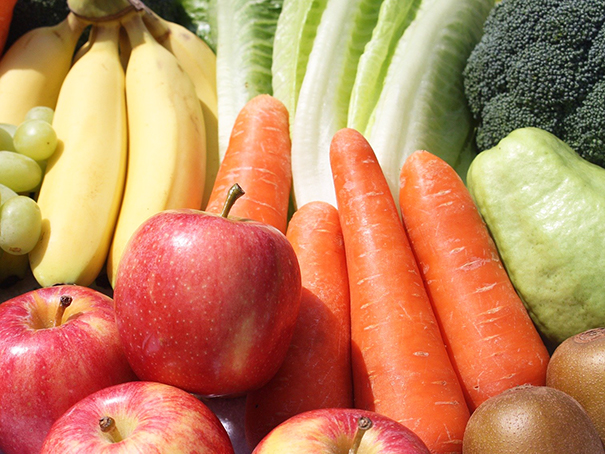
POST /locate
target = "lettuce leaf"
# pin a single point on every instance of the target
(394, 17)
(294, 37)
(322, 108)
(422, 103)
(244, 56)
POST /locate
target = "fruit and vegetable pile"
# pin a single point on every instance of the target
(376, 226)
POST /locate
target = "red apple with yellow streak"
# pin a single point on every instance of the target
(138, 417)
(341, 431)
(57, 346)
(205, 302)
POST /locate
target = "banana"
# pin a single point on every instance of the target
(166, 145)
(34, 67)
(85, 177)
(199, 62)
(195, 56)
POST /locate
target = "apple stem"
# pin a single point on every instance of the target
(235, 192)
(363, 425)
(108, 426)
(64, 302)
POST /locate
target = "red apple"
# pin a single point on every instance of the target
(57, 345)
(205, 302)
(341, 431)
(143, 417)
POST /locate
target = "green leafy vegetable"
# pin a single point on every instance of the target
(246, 30)
(422, 103)
(294, 37)
(202, 19)
(394, 17)
(392, 69)
(323, 100)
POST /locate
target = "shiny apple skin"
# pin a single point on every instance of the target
(332, 430)
(153, 418)
(207, 303)
(43, 372)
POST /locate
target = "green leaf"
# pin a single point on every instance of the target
(394, 17)
(322, 108)
(422, 104)
(246, 30)
(294, 37)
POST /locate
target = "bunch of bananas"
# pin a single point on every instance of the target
(136, 118)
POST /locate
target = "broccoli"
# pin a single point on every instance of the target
(541, 63)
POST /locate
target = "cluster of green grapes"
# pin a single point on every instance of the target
(24, 149)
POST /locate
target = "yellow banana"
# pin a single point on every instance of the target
(166, 145)
(199, 62)
(34, 67)
(195, 56)
(84, 182)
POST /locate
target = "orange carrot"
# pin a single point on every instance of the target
(317, 370)
(6, 16)
(400, 365)
(258, 158)
(491, 340)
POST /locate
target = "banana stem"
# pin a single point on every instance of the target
(235, 192)
(156, 26)
(363, 425)
(102, 10)
(136, 30)
(64, 302)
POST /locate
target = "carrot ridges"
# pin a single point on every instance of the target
(258, 158)
(400, 364)
(490, 337)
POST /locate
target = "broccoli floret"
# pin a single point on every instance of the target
(541, 63)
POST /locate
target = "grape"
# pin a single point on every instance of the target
(40, 113)
(19, 172)
(36, 139)
(9, 128)
(6, 140)
(20, 225)
(6, 193)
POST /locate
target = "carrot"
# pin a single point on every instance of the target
(400, 365)
(6, 16)
(491, 339)
(316, 372)
(258, 158)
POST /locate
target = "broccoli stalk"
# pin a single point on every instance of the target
(541, 63)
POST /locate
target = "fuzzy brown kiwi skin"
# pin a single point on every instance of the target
(577, 367)
(531, 420)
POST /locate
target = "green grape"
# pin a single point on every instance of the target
(40, 113)
(36, 139)
(19, 172)
(6, 193)
(9, 128)
(20, 225)
(6, 140)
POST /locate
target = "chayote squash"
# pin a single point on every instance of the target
(545, 208)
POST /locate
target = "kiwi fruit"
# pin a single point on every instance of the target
(577, 367)
(531, 419)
